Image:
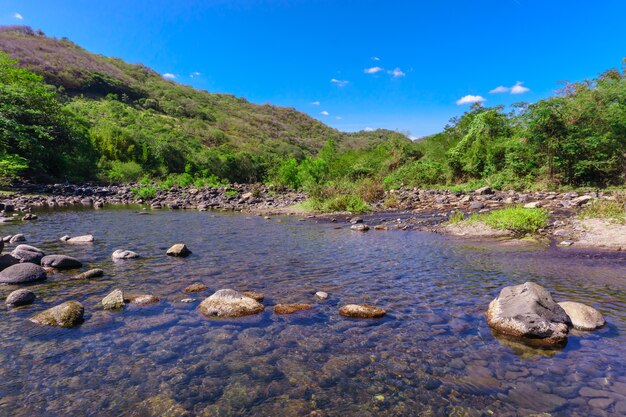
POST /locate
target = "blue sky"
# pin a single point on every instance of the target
(402, 65)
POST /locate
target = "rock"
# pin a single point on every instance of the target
(60, 262)
(566, 243)
(360, 227)
(291, 308)
(124, 254)
(80, 239)
(68, 314)
(532, 205)
(356, 220)
(27, 253)
(477, 205)
(179, 250)
(7, 260)
(18, 238)
(197, 287)
(30, 216)
(64, 238)
(361, 311)
(579, 201)
(582, 316)
(229, 304)
(92, 273)
(22, 274)
(113, 301)
(143, 299)
(321, 295)
(528, 311)
(484, 191)
(254, 295)
(20, 298)
(188, 300)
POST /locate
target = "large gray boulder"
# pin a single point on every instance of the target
(68, 314)
(124, 254)
(582, 316)
(22, 274)
(230, 304)
(27, 253)
(60, 262)
(20, 298)
(527, 311)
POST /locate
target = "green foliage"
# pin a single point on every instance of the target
(455, 217)
(147, 192)
(417, 174)
(11, 166)
(516, 219)
(605, 209)
(125, 171)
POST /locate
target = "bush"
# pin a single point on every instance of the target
(125, 171)
(416, 174)
(145, 193)
(370, 190)
(516, 219)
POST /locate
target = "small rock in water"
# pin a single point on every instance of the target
(197, 287)
(360, 227)
(566, 243)
(361, 311)
(144, 299)
(27, 253)
(64, 238)
(92, 273)
(230, 304)
(254, 295)
(30, 216)
(80, 239)
(583, 317)
(356, 220)
(22, 273)
(18, 238)
(68, 314)
(60, 261)
(321, 295)
(291, 308)
(187, 300)
(113, 301)
(124, 254)
(179, 250)
(20, 298)
(528, 311)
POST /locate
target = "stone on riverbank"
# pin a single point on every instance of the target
(527, 311)
(124, 254)
(360, 227)
(179, 250)
(361, 311)
(60, 262)
(230, 304)
(68, 314)
(20, 298)
(291, 308)
(113, 301)
(22, 273)
(17, 238)
(582, 316)
(92, 273)
(27, 253)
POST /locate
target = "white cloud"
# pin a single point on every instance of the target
(339, 83)
(469, 99)
(338, 117)
(500, 89)
(169, 75)
(315, 103)
(372, 70)
(18, 16)
(324, 113)
(195, 74)
(369, 129)
(375, 58)
(518, 88)
(397, 73)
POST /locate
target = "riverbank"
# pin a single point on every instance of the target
(404, 209)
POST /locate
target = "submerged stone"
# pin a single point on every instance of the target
(61, 262)
(528, 311)
(254, 295)
(361, 311)
(81, 239)
(20, 298)
(230, 304)
(291, 308)
(92, 273)
(68, 314)
(124, 254)
(197, 287)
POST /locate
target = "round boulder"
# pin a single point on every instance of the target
(230, 304)
(20, 298)
(7, 260)
(582, 316)
(528, 311)
(22, 274)
(68, 314)
(60, 262)
(124, 254)
(27, 253)
(179, 250)
(361, 311)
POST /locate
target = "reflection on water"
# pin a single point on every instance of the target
(432, 355)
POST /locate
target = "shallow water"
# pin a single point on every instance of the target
(433, 354)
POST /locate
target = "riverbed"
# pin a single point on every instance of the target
(432, 354)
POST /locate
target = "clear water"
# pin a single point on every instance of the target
(433, 354)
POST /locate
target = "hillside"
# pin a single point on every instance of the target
(133, 115)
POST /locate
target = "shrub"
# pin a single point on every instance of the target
(455, 217)
(392, 201)
(516, 219)
(145, 193)
(370, 190)
(125, 171)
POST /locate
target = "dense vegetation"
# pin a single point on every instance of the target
(68, 114)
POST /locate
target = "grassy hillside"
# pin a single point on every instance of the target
(134, 116)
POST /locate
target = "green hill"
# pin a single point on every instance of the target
(137, 122)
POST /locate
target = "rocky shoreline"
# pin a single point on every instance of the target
(410, 209)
